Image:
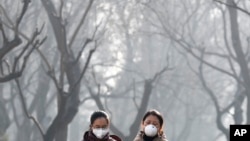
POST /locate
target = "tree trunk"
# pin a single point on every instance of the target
(62, 135)
(135, 126)
(4, 118)
(68, 101)
(238, 111)
(235, 35)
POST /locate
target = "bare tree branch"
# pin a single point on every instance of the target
(6, 16)
(234, 5)
(25, 108)
(81, 23)
(86, 43)
(85, 66)
(9, 45)
(61, 9)
(24, 9)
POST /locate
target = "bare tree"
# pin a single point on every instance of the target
(70, 73)
(183, 33)
(9, 71)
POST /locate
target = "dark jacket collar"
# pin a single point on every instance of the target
(89, 136)
(147, 138)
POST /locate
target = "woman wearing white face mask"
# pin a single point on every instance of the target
(151, 127)
(99, 128)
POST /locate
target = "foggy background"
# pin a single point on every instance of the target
(63, 59)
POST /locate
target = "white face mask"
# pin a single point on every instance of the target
(150, 130)
(100, 132)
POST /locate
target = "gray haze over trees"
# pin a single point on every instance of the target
(62, 59)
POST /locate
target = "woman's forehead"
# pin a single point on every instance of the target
(152, 118)
(100, 121)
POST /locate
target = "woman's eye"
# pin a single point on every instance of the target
(155, 125)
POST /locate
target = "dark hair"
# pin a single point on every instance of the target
(98, 114)
(156, 113)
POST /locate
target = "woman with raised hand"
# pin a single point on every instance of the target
(151, 127)
(99, 128)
